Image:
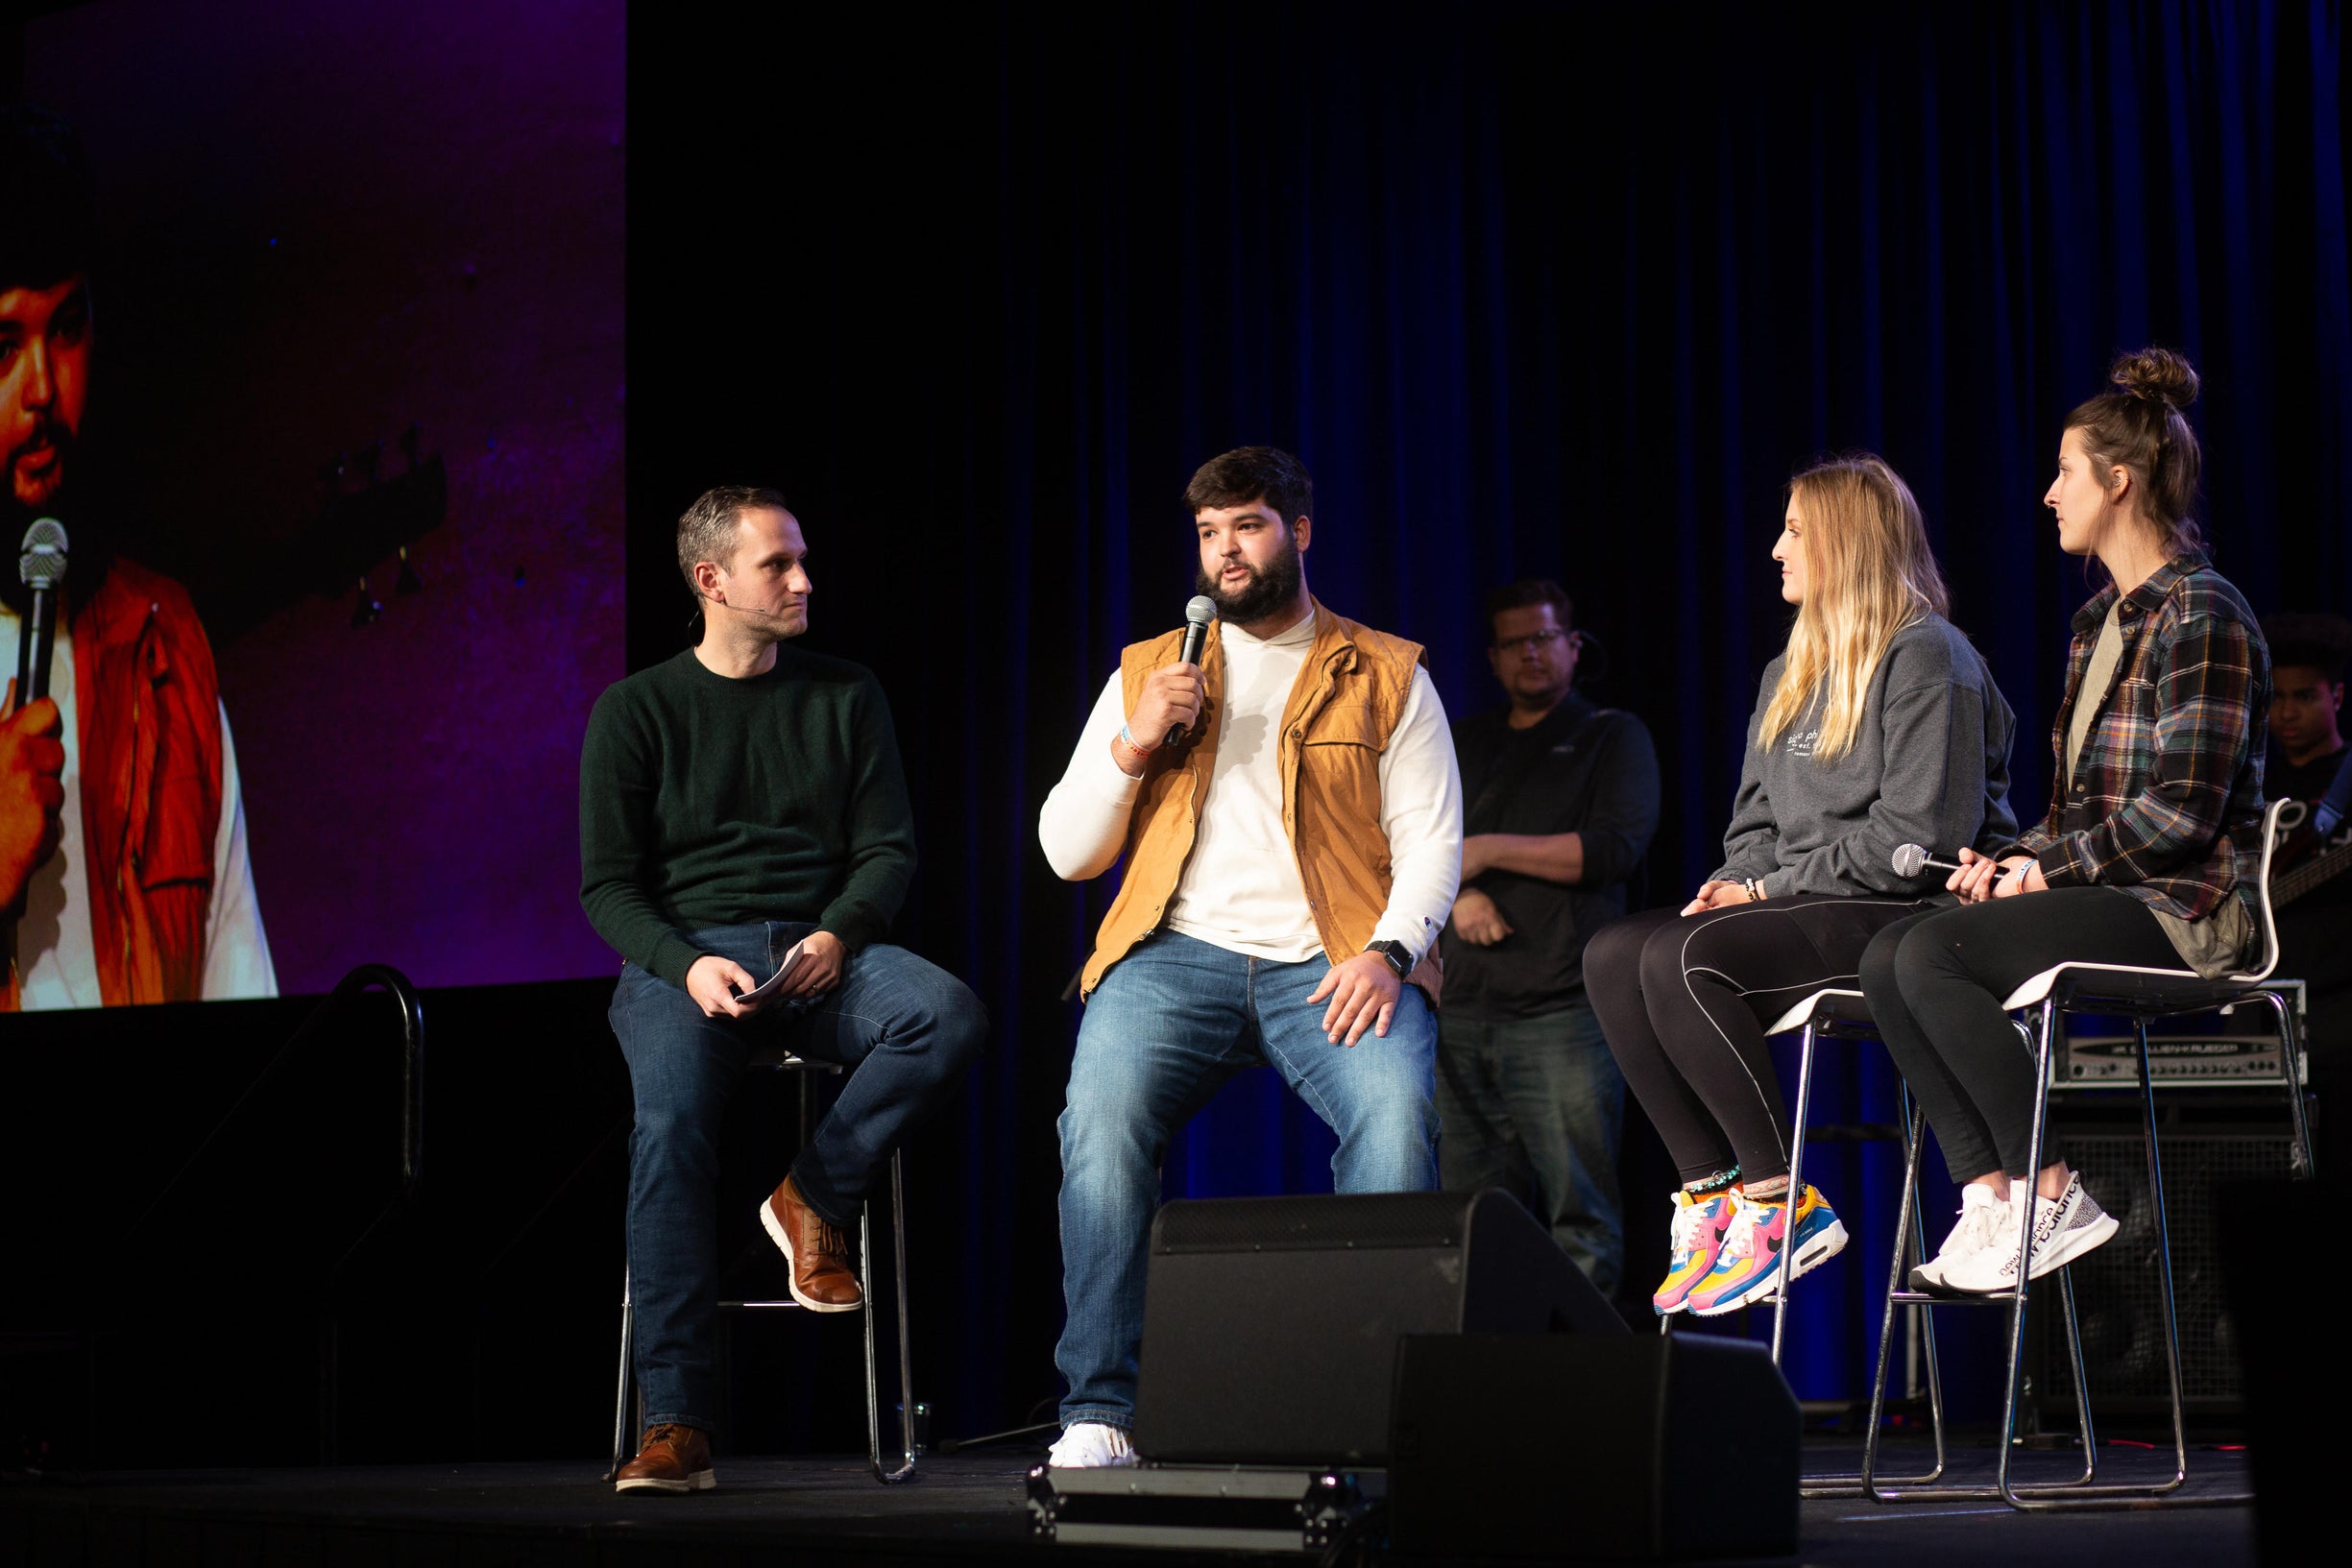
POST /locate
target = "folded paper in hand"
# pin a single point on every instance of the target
(793, 963)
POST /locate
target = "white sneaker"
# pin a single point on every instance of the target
(2074, 1225)
(1092, 1445)
(2062, 1231)
(1991, 1266)
(1980, 1211)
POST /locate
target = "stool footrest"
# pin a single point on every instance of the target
(1929, 1298)
(762, 1306)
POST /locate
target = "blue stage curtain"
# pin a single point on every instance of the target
(1552, 290)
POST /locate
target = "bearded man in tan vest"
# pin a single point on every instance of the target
(1289, 862)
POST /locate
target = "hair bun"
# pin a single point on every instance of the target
(2157, 374)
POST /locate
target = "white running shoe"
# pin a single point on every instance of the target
(2063, 1231)
(1092, 1445)
(2073, 1225)
(1981, 1213)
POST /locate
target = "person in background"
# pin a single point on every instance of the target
(2309, 657)
(2146, 855)
(1879, 725)
(1560, 799)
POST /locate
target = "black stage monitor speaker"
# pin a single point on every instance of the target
(1270, 1324)
(1564, 1446)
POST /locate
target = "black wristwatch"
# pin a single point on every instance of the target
(1399, 959)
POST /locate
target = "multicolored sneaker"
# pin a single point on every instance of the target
(1747, 1272)
(1700, 1224)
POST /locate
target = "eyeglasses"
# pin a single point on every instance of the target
(1540, 639)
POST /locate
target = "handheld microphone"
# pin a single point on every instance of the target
(1198, 614)
(1911, 860)
(41, 566)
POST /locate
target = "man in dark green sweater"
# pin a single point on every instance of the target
(738, 801)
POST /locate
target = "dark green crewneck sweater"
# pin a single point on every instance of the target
(707, 801)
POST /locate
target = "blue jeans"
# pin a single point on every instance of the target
(1534, 1105)
(1168, 1024)
(906, 1029)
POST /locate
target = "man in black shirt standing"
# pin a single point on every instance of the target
(742, 803)
(1561, 799)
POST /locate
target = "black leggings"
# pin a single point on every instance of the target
(1685, 1002)
(1935, 983)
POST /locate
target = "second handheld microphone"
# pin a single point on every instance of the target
(1911, 860)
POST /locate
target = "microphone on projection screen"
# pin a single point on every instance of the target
(41, 568)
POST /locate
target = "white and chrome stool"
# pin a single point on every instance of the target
(2143, 995)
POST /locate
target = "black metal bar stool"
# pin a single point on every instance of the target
(624, 1396)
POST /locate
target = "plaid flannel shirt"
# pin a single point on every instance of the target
(2166, 800)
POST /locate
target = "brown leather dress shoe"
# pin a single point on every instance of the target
(673, 1458)
(818, 1251)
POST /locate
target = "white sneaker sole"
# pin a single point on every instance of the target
(791, 1283)
(2071, 1243)
(701, 1481)
(1923, 1283)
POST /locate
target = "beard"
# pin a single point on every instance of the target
(54, 435)
(1270, 587)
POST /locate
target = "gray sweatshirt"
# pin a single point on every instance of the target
(1929, 766)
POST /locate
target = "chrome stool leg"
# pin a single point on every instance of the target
(621, 1452)
(2082, 1494)
(2015, 1302)
(2301, 1162)
(1796, 1189)
(905, 1468)
(1910, 1225)
(907, 1408)
(2164, 1268)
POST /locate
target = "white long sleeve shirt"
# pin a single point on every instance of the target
(56, 953)
(1240, 888)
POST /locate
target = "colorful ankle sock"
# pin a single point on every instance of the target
(1708, 1186)
(1771, 1189)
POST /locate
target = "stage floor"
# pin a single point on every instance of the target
(826, 1512)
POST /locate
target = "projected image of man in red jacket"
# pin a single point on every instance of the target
(122, 842)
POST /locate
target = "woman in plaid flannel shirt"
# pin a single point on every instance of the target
(2148, 854)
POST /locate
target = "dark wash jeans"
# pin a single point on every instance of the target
(906, 1029)
(1168, 1026)
(1536, 1106)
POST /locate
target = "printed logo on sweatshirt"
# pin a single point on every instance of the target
(1801, 742)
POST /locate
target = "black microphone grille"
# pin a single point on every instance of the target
(42, 562)
(1200, 609)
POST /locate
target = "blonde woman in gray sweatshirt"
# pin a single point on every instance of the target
(1879, 725)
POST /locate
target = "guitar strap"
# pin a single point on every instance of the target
(2329, 808)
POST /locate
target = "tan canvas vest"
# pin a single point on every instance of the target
(1344, 708)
